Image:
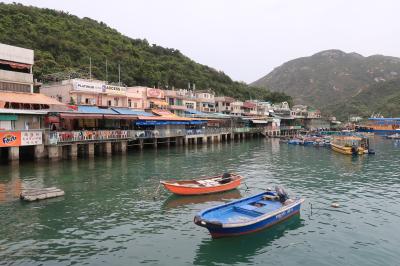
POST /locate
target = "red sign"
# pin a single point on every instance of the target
(155, 93)
(10, 139)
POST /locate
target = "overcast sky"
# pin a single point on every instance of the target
(248, 38)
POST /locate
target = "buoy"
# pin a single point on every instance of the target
(335, 205)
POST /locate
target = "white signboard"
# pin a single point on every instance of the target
(110, 89)
(79, 85)
(31, 138)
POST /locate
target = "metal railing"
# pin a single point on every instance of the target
(56, 137)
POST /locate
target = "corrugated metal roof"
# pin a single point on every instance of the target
(194, 112)
(127, 111)
(95, 110)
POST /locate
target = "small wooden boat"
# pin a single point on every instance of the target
(204, 185)
(248, 215)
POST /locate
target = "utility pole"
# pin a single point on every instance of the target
(119, 74)
(106, 70)
(90, 68)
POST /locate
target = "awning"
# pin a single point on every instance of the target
(8, 117)
(125, 117)
(80, 116)
(127, 111)
(15, 65)
(28, 98)
(159, 102)
(177, 107)
(90, 109)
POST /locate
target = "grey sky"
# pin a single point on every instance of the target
(248, 38)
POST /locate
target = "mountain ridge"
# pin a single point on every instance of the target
(331, 77)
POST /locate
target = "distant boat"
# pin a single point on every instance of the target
(380, 125)
(394, 136)
(248, 215)
(204, 185)
(350, 145)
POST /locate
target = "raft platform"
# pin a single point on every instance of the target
(35, 194)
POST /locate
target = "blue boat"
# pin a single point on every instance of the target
(248, 215)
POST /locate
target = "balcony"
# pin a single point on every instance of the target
(17, 77)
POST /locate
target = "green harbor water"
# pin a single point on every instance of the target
(109, 217)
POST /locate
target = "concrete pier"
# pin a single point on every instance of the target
(123, 146)
(107, 148)
(90, 150)
(73, 151)
(13, 154)
(54, 152)
(40, 152)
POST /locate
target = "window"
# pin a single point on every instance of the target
(109, 102)
(129, 103)
(134, 105)
(87, 100)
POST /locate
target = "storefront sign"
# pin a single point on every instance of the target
(31, 138)
(114, 89)
(79, 85)
(10, 139)
(20, 138)
(155, 93)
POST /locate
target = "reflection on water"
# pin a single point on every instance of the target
(242, 249)
(108, 215)
(176, 201)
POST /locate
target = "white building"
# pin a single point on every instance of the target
(16, 69)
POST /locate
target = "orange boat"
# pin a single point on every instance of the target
(204, 185)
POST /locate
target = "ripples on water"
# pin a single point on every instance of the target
(108, 215)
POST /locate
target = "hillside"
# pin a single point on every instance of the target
(333, 77)
(383, 98)
(64, 43)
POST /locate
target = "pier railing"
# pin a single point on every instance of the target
(56, 137)
(64, 137)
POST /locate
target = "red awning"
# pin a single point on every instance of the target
(80, 116)
(15, 65)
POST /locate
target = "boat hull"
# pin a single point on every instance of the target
(187, 191)
(264, 224)
(234, 225)
(341, 149)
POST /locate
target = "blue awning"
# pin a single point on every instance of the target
(95, 110)
(158, 123)
(127, 111)
(194, 112)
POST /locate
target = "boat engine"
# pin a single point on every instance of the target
(283, 196)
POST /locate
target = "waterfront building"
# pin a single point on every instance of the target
(249, 108)
(223, 104)
(237, 108)
(86, 92)
(205, 101)
(175, 100)
(16, 69)
(22, 112)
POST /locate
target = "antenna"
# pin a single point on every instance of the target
(90, 67)
(106, 70)
(119, 74)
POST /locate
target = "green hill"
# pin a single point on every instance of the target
(333, 78)
(383, 98)
(64, 43)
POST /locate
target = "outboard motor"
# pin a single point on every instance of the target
(226, 178)
(283, 196)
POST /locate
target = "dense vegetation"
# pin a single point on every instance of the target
(65, 43)
(381, 98)
(340, 83)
